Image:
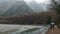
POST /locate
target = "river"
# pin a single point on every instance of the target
(23, 29)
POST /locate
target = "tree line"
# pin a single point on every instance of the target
(36, 18)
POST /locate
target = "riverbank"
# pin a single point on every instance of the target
(56, 30)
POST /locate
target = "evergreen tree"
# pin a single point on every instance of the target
(56, 7)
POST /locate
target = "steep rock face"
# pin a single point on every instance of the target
(18, 8)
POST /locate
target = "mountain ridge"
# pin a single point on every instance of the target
(19, 8)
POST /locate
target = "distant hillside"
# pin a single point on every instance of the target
(19, 8)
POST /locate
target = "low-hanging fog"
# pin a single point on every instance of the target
(38, 5)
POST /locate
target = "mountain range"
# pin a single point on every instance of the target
(13, 8)
(18, 8)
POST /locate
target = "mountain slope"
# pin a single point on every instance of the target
(5, 5)
(35, 6)
(19, 8)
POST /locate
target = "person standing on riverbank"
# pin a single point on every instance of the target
(52, 25)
